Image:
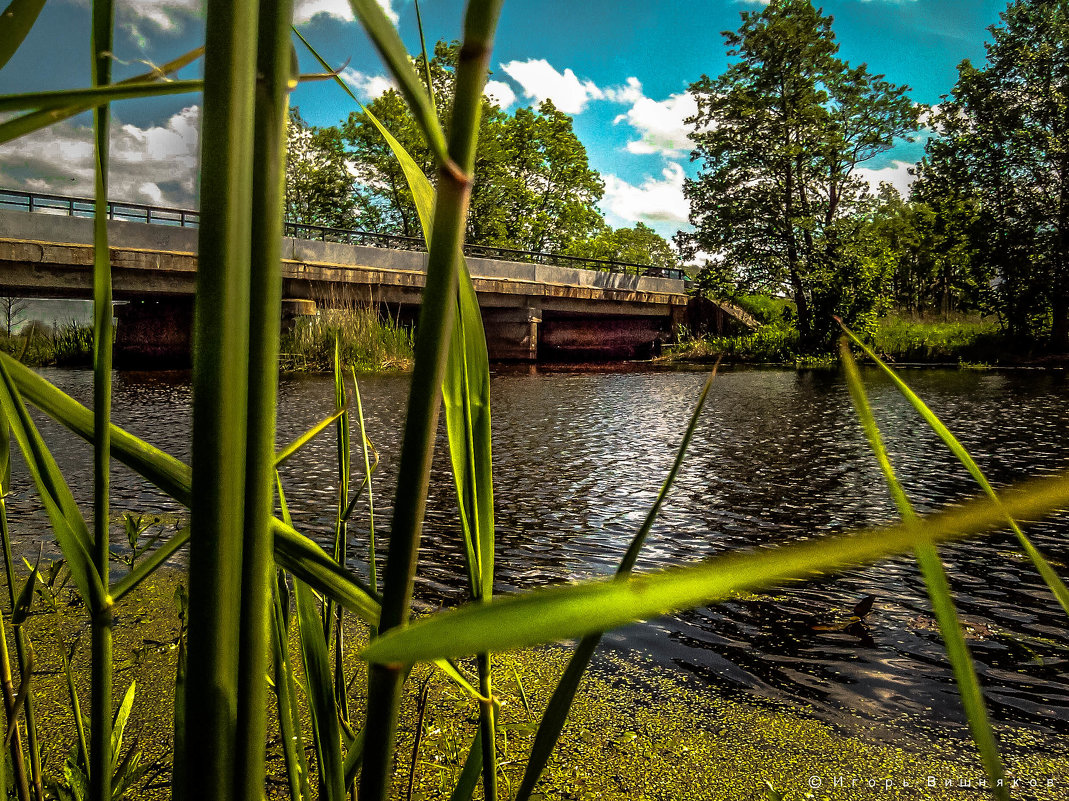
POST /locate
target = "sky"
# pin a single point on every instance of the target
(620, 68)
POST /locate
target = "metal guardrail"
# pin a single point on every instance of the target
(44, 203)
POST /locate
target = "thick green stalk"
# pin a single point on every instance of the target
(265, 311)
(221, 398)
(100, 757)
(8, 686)
(424, 402)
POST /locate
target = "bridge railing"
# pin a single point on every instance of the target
(45, 203)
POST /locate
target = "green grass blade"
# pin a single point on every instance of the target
(373, 578)
(67, 523)
(27, 123)
(306, 437)
(158, 467)
(322, 707)
(122, 716)
(938, 591)
(149, 565)
(560, 703)
(566, 612)
(1052, 579)
(354, 757)
(469, 774)
(393, 53)
(93, 96)
(15, 23)
(289, 717)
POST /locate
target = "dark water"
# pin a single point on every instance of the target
(778, 456)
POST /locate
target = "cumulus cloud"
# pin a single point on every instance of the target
(166, 15)
(156, 165)
(540, 81)
(304, 10)
(500, 93)
(660, 124)
(896, 174)
(655, 200)
(370, 86)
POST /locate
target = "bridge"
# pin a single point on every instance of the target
(534, 305)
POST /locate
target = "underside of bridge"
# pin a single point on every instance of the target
(530, 311)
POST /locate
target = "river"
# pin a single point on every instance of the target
(778, 456)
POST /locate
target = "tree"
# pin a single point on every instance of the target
(781, 133)
(11, 312)
(320, 187)
(1005, 145)
(638, 245)
(533, 187)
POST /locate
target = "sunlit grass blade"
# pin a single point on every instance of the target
(322, 707)
(15, 23)
(393, 53)
(288, 451)
(76, 707)
(150, 564)
(566, 612)
(560, 703)
(464, 789)
(373, 578)
(1052, 579)
(160, 468)
(92, 96)
(67, 523)
(354, 757)
(27, 123)
(938, 591)
(18, 763)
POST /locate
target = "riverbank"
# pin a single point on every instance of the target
(635, 732)
(967, 342)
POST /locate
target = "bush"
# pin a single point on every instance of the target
(367, 341)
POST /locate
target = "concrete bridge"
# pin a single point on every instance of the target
(530, 311)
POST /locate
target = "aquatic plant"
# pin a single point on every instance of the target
(249, 568)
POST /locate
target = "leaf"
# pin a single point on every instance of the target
(122, 717)
(25, 600)
(938, 590)
(388, 42)
(1053, 581)
(15, 23)
(320, 689)
(93, 96)
(565, 612)
(149, 565)
(469, 774)
(67, 522)
(306, 437)
(20, 126)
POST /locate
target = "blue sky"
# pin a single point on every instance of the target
(620, 68)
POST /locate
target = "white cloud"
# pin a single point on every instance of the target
(164, 14)
(660, 124)
(500, 92)
(655, 200)
(304, 10)
(541, 81)
(631, 92)
(156, 165)
(371, 86)
(897, 174)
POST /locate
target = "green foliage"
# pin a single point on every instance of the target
(1002, 155)
(638, 245)
(533, 187)
(68, 344)
(906, 339)
(319, 186)
(781, 133)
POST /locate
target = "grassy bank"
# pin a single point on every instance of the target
(367, 342)
(897, 338)
(65, 345)
(635, 732)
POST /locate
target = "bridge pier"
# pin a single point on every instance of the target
(154, 333)
(512, 333)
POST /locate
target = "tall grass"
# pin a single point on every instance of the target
(249, 568)
(367, 341)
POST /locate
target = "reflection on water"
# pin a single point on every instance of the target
(778, 456)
